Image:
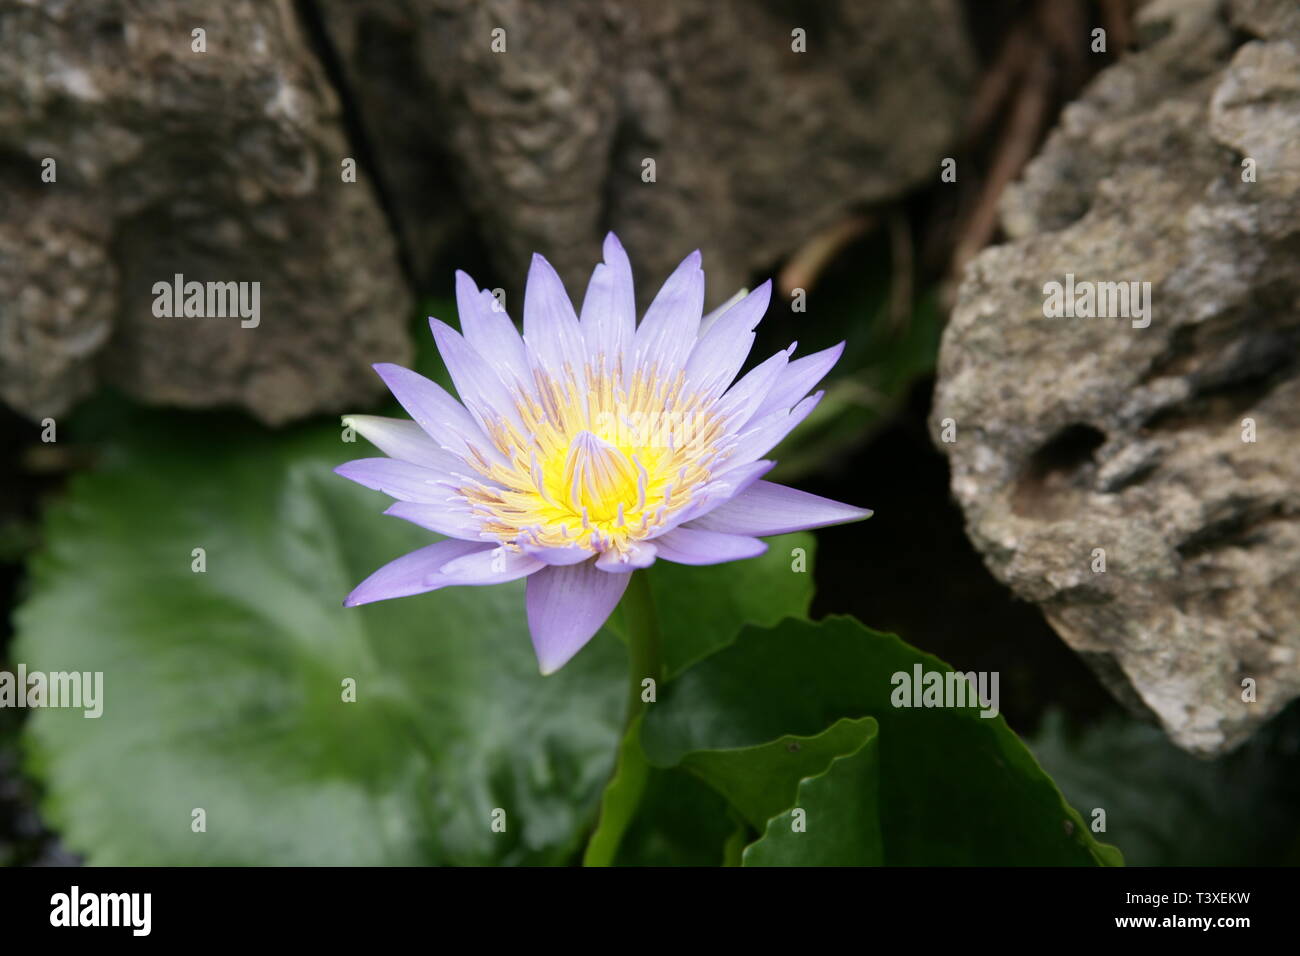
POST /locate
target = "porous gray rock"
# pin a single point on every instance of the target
(1172, 448)
(222, 166)
(543, 115)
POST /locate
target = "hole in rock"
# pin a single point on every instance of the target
(1052, 474)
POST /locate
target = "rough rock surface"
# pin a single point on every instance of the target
(1076, 434)
(756, 147)
(222, 166)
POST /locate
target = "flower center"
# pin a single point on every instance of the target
(599, 479)
(596, 464)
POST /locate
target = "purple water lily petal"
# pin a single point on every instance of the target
(566, 607)
(737, 406)
(407, 441)
(477, 382)
(694, 546)
(399, 479)
(766, 508)
(450, 518)
(560, 557)
(609, 308)
(551, 329)
(721, 351)
(798, 379)
(493, 566)
(488, 329)
(706, 323)
(412, 573)
(672, 323)
(639, 554)
(444, 419)
(727, 485)
(740, 477)
(764, 435)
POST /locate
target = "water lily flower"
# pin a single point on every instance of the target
(591, 446)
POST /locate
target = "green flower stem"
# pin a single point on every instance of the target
(622, 796)
(643, 641)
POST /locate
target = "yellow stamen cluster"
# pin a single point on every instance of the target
(597, 462)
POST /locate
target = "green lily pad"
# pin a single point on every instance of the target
(224, 689)
(836, 817)
(955, 787)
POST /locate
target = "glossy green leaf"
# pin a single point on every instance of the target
(835, 820)
(701, 609)
(956, 788)
(762, 781)
(224, 688)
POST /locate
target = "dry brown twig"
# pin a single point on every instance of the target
(803, 268)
